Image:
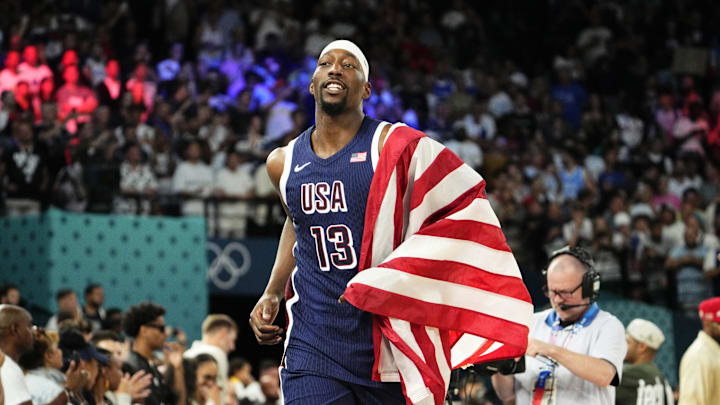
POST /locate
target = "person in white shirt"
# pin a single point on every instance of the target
(67, 303)
(219, 332)
(479, 124)
(575, 350)
(137, 180)
(16, 338)
(9, 76)
(31, 71)
(193, 180)
(247, 389)
(42, 364)
(234, 181)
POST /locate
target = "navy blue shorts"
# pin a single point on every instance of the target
(308, 389)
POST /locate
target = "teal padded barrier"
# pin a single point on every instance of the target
(626, 311)
(134, 258)
(24, 257)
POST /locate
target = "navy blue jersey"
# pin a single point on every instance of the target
(327, 198)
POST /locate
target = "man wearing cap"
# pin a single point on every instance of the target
(75, 348)
(354, 195)
(700, 365)
(642, 381)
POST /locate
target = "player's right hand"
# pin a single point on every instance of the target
(262, 318)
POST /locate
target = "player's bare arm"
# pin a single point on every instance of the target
(266, 309)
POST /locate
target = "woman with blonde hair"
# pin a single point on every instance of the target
(46, 383)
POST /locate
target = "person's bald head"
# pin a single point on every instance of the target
(564, 284)
(16, 335)
(11, 315)
(567, 263)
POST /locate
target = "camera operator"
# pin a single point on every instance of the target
(575, 349)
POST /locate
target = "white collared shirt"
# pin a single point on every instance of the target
(603, 338)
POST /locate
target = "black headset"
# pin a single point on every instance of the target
(591, 278)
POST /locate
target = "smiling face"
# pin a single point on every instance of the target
(338, 83)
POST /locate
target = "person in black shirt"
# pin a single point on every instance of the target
(93, 310)
(26, 169)
(146, 325)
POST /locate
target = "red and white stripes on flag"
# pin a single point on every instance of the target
(435, 269)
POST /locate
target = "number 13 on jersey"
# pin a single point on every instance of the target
(343, 258)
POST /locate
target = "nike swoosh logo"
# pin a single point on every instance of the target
(300, 167)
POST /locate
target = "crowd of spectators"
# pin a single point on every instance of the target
(594, 122)
(86, 355)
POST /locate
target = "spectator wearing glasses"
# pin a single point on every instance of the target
(575, 350)
(145, 323)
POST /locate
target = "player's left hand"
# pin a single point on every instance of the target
(342, 299)
(262, 317)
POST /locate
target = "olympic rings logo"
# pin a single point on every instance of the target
(224, 262)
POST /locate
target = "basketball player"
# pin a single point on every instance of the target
(340, 369)
(324, 178)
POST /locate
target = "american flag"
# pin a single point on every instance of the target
(358, 157)
(435, 269)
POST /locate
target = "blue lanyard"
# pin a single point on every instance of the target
(553, 321)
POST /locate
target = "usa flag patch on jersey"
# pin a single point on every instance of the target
(358, 157)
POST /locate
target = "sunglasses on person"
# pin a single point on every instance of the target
(160, 328)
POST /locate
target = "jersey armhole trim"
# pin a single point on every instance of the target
(287, 166)
(374, 154)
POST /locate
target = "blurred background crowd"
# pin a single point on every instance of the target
(595, 123)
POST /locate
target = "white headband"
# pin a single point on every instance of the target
(350, 47)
